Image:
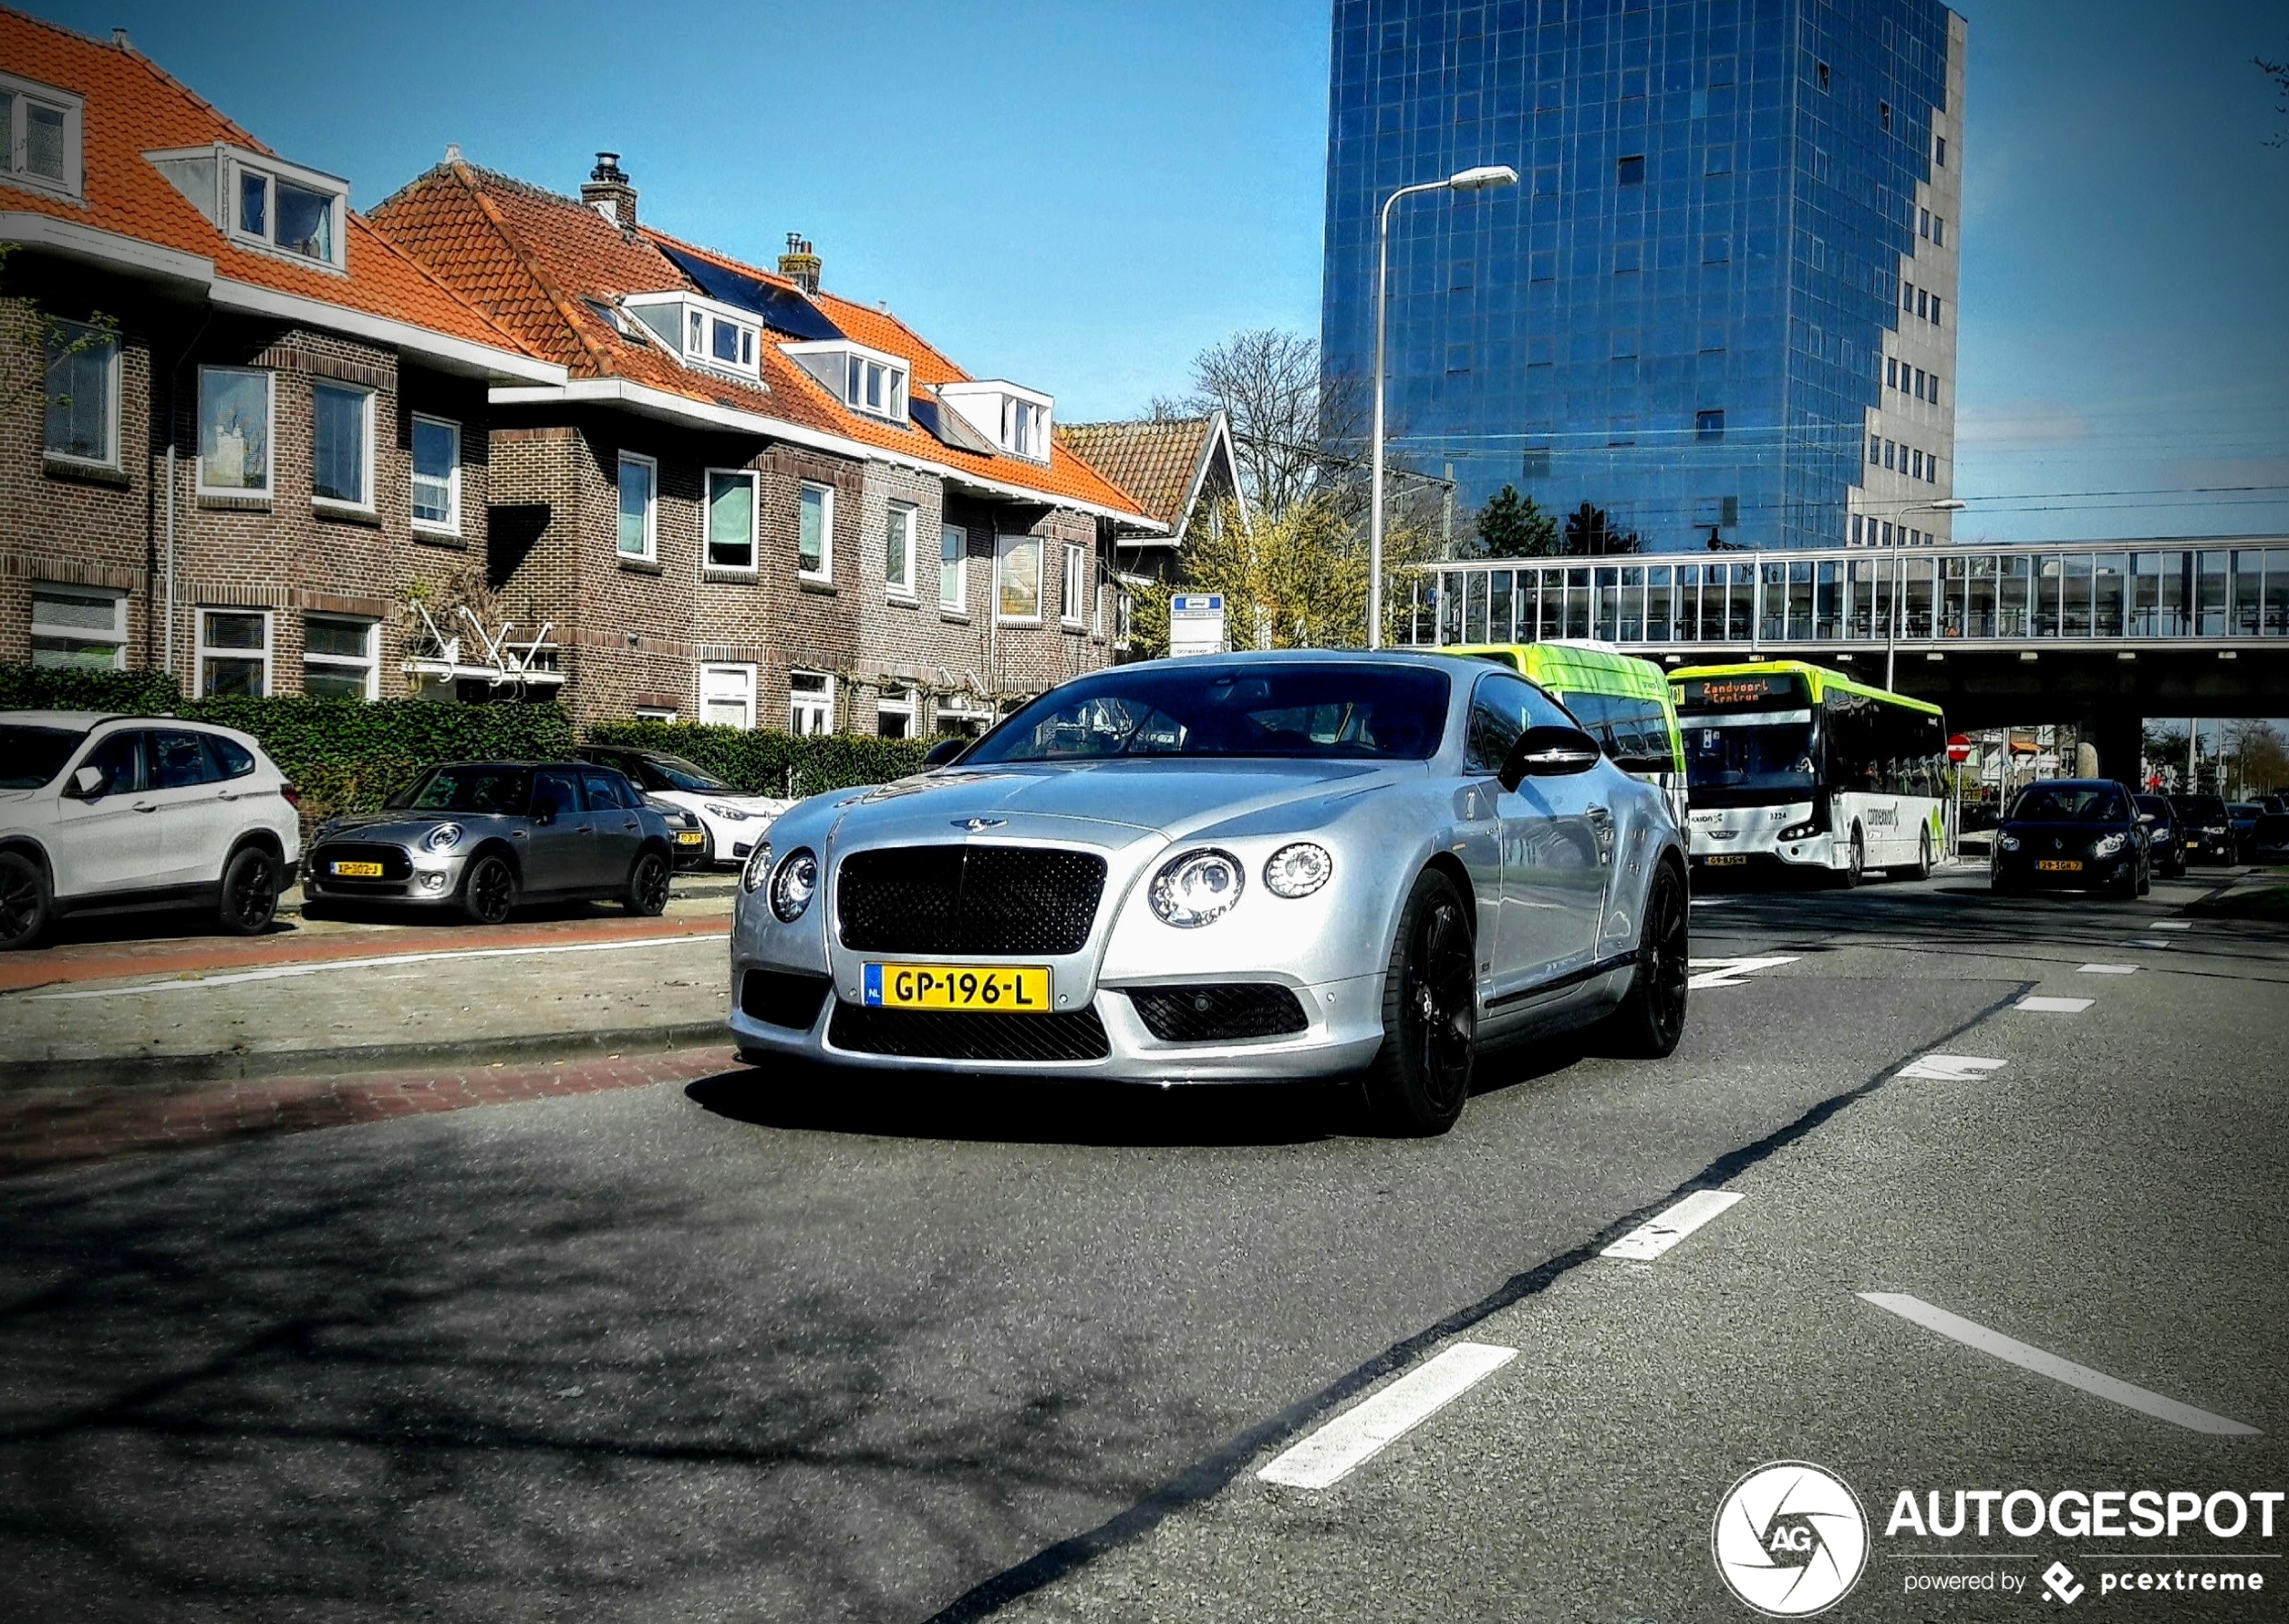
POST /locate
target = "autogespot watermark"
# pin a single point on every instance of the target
(1791, 1540)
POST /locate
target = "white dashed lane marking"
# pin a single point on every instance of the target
(2106, 970)
(278, 972)
(1655, 1235)
(2149, 943)
(1731, 973)
(2010, 1350)
(2056, 1006)
(2171, 924)
(1950, 1067)
(1356, 1436)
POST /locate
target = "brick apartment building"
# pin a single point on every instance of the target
(490, 441)
(257, 411)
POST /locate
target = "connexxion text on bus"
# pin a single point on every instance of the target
(1795, 767)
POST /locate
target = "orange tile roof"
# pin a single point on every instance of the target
(530, 258)
(1153, 459)
(134, 106)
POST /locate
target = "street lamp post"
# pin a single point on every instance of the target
(1485, 177)
(1891, 620)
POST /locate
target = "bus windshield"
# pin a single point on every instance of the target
(1750, 756)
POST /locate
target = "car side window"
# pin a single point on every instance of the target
(554, 794)
(1503, 707)
(179, 762)
(234, 759)
(120, 758)
(607, 789)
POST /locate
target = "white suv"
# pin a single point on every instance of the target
(101, 812)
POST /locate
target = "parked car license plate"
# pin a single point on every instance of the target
(356, 870)
(689, 838)
(2060, 866)
(1727, 860)
(990, 990)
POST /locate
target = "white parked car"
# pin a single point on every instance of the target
(102, 812)
(734, 819)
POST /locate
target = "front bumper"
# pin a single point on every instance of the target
(2018, 868)
(415, 879)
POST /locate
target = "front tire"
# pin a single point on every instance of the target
(647, 892)
(1922, 870)
(1857, 871)
(488, 891)
(1420, 1079)
(25, 904)
(1651, 1016)
(250, 898)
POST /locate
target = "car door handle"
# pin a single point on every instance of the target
(1599, 815)
(227, 795)
(142, 806)
(632, 828)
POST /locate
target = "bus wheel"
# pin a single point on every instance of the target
(1857, 869)
(1922, 870)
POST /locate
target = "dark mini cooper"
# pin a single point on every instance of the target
(2080, 834)
(482, 836)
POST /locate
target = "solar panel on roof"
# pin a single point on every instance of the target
(947, 426)
(782, 309)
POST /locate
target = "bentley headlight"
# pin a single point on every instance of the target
(1196, 887)
(442, 837)
(750, 878)
(2108, 846)
(729, 813)
(1298, 871)
(2008, 843)
(794, 885)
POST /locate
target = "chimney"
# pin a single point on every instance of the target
(119, 38)
(608, 193)
(799, 264)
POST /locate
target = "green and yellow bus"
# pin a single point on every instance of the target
(1619, 699)
(1796, 767)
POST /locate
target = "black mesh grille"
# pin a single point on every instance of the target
(1217, 1013)
(395, 864)
(969, 899)
(959, 1035)
(783, 997)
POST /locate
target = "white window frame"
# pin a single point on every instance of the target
(1004, 546)
(237, 163)
(651, 465)
(656, 713)
(116, 636)
(907, 514)
(15, 140)
(826, 571)
(202, 649)
(1073, 588)
(366, 435)
(450, 525)
(707, 563)
(270, 486)
(817, 702)
(372, 662)
(686, 322)
(74, 332)
(959, 604)
(841, 367)
(747, 677)
(904, 702)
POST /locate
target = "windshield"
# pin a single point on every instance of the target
(1210, 707)
(1759, 755)
(497, 789)
(2199, 805)
(676, 773)
(31, 756)
(2070, 804)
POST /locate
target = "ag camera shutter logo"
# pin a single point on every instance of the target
(1789, 1540)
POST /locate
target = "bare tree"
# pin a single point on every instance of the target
(1284, 420)
(2278, 72)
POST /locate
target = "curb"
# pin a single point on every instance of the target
(139, 1072)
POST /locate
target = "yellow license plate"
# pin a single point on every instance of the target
(356, 870)
(1726, 862)
(2056, 865)
(984, 988)
(689, 838)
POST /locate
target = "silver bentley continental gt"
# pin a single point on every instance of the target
(1224, 868)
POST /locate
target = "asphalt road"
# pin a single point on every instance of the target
(795, 1347)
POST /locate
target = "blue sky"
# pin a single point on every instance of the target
(1081, 195)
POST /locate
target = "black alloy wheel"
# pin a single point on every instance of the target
(1651, 1015)
(1420, 1080)
(23, 900)
(488, 891)
(250, 899)
(647, 892)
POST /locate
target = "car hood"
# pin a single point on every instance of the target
(398, 824)
(1124, 797)
(2074, 834)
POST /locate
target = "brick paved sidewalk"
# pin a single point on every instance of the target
(53, 1128)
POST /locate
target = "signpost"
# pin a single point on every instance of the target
(1959, 752)
(1196, 623)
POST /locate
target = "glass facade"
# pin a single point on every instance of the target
(1683, 311)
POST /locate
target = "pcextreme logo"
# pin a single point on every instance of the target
(1789, 1540)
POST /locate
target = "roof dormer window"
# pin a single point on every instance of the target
(1016, 419)
(262, 202)
(41, 129)
(865, 380)
(704, 334)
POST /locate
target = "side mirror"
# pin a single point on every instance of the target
(87, 781)
(1548, 752)
(944, 751)
(2147, 818)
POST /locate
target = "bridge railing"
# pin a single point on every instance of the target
(2229, 591)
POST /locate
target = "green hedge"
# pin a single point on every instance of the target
(69, 687)
(773, 764)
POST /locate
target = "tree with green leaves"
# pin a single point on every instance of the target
(1590, 533)
(1512, 526)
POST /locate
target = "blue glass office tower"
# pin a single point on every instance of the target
(1721, 300)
